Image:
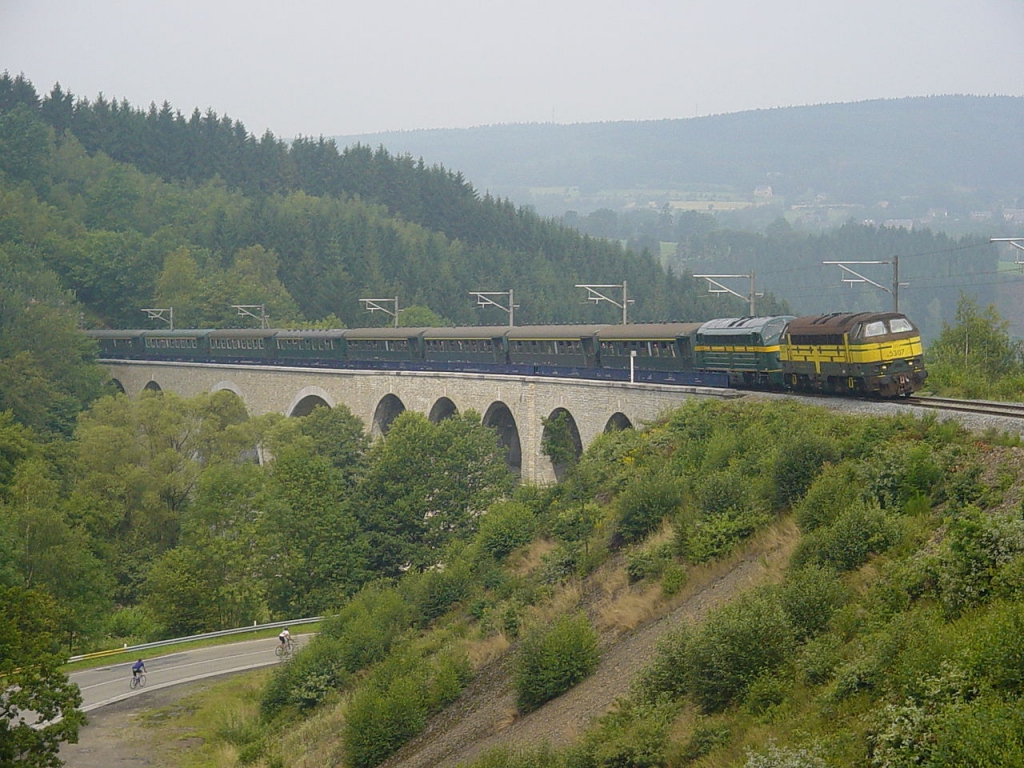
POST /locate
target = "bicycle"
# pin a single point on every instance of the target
(285, 651)
(137, 681)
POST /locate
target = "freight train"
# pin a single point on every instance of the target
(867, 353)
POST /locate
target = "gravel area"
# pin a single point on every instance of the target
(113, 739)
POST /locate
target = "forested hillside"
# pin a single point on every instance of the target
(149, 208)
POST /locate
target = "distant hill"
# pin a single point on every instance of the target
(955, 153)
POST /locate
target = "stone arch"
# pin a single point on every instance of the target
(572, 435)
(307, 399)
(115, 385)
(617, 422)
(443, 409)
(499, 417)
(227, 386)
(306, 405)
(152, 386)
(387, 411)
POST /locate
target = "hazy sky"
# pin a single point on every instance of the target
(336, 67)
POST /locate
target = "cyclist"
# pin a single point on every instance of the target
(138, 668)
(286, 639)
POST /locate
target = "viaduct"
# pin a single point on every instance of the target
(515, 406)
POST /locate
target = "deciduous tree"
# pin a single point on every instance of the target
(426, 484)
(38, 705)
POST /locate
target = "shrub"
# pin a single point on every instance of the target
(716, 535)
(997, 648)
(977, 547)
(861, 436)
(378, 722)
(363, 633)
(395, 701)
(132, 623)
(764, 692)
(737, 643)
(672, 579)
(647, 562)
(452, 672)
(899, 660)
(640, 564)
(315, 672)
(903, 736)
(1008, 580)
(666, 674)
(900, 583)
(703, 740)
(834, 489)
(645, 503)
(435, 592)
(506, 526)
(370, 624)
(720, 492)
(897, 474)
(553, 659)
(962, 485)
(561, 563)
(855, 535)
(987, 733)
(795, 467)
(311, 675)
(634, 734)
(575, 523)
(819, 658)
(810, 596)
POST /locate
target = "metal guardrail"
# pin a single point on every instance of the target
(206, 636)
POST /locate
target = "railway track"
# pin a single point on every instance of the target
(980, 407)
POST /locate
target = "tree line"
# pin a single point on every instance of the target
(332, 226)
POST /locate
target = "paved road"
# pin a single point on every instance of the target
(106, 685)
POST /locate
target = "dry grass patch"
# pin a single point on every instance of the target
(629, 609)
(565, 600)
(524, 561)
(610, 579)
(505, 718)
(862, 579)
(314, 741)
(482, 652)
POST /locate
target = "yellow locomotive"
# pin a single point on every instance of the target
(864, 353)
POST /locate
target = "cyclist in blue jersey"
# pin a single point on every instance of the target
(137, 668)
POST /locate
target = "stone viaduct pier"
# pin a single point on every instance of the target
(515, 406)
